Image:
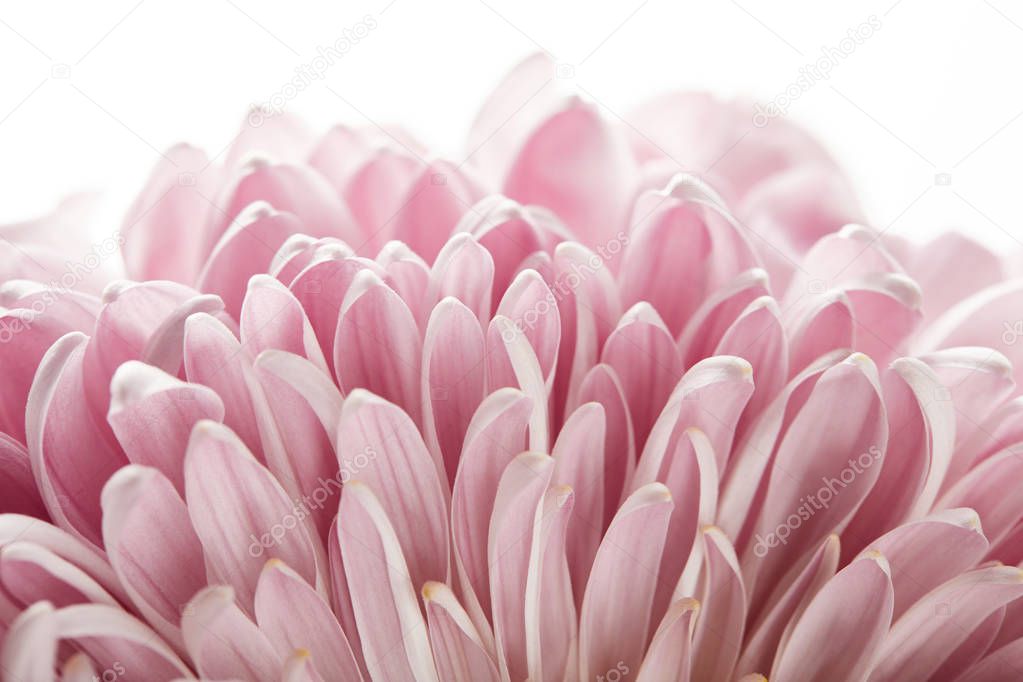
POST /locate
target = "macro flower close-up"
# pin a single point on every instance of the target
(644, 398)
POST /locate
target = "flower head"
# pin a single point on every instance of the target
(600, 401)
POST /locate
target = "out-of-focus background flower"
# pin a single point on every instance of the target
(918, 99)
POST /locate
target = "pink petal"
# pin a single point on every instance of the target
(111, 637)
(432, 206)
(31, 573)
(602, 386)
(223, 642)
(21, 496)
(531, 306)
(453, 378)
(921, 439)
(718, 634)
(165, 226)
(786, 605)
(576, 164)
(248, 248)
(931, 630)
(377, 344)
(550, 616)
(464, 269)
(72, 455)
(643, 354)
(375, 192)
(669, 657)
(291, 615)
(517, 510)
(718, 312)
(840, 633)
(823, 450)
(271, 317)
(615, 617)
(380, 446)
(579, 464)
(391, 626)
(496, 434)
(140, 503)
(321, 288)
(29, 649)
(214, 357)
(457, 648)
(511, 361)
(292, 189)
(240, 512)
(152, 414)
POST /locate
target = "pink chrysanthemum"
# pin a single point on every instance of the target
(603, 401)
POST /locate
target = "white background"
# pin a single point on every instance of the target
(935, 90)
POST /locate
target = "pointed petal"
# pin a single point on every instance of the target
(453, 378)
(223, 642)
(457, 648)
(152, 414)
(615, 617)
(669, 657)
(717, 638)
(292, 615)
(379, 445)
(377, 345)
(842, 629)
(240, 512)
(139, 503)
(394, 637)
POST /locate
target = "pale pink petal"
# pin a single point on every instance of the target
(223, 642)
(643, 354)
(165, 227)
(287, 188)
(670, 654)
(292, 615)
(432, 206)
(377, 344)
(457, 648)
(839, 634)
(241, 513)
(518, 506)
(717, 637)
(496, 434)
(464, 269)
(824, 453)
(394, 635)
(214, 358)
(454, 368)
(615, 618)
(31, 573)
(920, 443)
(718, 312)
(271, 317)
(931, 630)
(380, 446)
(579, 463)
(248, 248)
(110, 636)
(602, 386)
(550, 617)
(152, 414)
(139, 504)
(72, 455)
(786, 605)
(29, 649)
